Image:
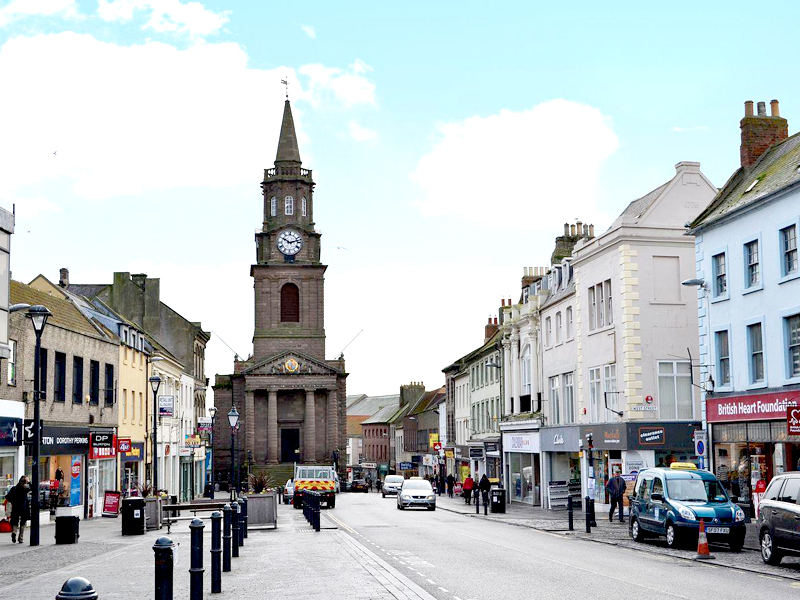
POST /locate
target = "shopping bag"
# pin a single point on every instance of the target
(5, 526)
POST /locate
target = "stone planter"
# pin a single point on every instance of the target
(152, 512)
(262, 510)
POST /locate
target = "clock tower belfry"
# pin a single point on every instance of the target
(288, 276)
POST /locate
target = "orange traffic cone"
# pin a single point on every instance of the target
(702, 544)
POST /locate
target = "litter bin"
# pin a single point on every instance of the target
(133, 522)
(67, 529)
(208, 492)
(498, 500)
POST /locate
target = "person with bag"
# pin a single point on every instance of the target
(17, 496)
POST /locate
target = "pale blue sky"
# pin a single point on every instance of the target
(449, 141)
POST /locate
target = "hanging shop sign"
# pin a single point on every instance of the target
(124, 444)
(102, 444)
(433, 438)
(166, 406)
(758, 407)
(204, 425)
(793, 420)
(475, 452)
(10, 431)
(135, 454)
(449, 453)
(407, 466)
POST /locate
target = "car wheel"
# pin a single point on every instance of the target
(431, 508)
(673, 540)
(736, 543)
(401, 507)
(384, 495)
(769, 554)
(636, 530)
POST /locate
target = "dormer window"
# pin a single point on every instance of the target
(304, 208)
(273, 206)
(289, 206)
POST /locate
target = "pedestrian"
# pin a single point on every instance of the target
(484, 486)
(450, 484)
(368, 480)
(17, 496)
(468, 485)
(440, 484)
(616, 491)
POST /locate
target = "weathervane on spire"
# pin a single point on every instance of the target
(286, 83)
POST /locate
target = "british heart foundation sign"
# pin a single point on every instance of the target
(793, 420)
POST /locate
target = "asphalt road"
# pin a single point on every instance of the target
(454, 557)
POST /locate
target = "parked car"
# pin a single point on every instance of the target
(288, 492)
(392, 485)
(672, 502)
(416, 492)
(359, 485)
(778, 523)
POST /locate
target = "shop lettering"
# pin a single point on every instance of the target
(611, 437)
(74, 440)
(558, 439)
(757, 407)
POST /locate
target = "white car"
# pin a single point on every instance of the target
(416, 492)
(288, 492)
(392, 485)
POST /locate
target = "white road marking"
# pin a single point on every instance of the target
(444, 590)
(431, 582)
(456, 598)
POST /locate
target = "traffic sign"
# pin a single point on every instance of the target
(700, 442)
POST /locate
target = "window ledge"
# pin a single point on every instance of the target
(723, 388)
(755, 288)
(791, 381)
(756, 386)
(603, 329)
(789, 277)
(721, 298)
(659, 303)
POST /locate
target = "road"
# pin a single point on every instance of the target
(454, 557)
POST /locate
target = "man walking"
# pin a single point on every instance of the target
(17, 496)
(450, 483)
(616, 491)
(484, 486)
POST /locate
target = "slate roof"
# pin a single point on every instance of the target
(639, 206)
(65, 314)
(382, 416)
(88, 290)
(777, 169)
(369, 405)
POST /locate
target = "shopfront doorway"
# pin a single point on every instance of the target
(290, 445)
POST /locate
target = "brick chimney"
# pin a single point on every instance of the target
(63, 277)
(489, 330)
(760, 131)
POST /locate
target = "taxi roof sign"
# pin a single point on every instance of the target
(683, 466)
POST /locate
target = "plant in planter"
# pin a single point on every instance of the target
(145, 490)
(260, 481)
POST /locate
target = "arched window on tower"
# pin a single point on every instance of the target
(290, 303)
(289, 208)
(273, 206)
(303, 204)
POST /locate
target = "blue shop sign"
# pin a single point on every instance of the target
(416, 458)
(10, 431)
(407, 466)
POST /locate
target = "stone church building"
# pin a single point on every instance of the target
(291, 399)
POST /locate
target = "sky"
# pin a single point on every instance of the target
(450, 142)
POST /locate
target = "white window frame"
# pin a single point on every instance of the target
(570, 325)
(610, 386)
(595, 391)
(674, 376)
(719, 384)
(609, 307)
(753, 383)
(11, 373)
(568, 385)
(548, 332)
(303, 204)
(558, 328)
(273, 206)
(786, 275)
(288, 206)
(748, 286)
(716, 295)
(592, 308)
(786, 347)
(601, 306)
(525, 359)
(555, 403)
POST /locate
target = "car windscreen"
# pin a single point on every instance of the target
(394, 479)
(412, 484)
(696, 490)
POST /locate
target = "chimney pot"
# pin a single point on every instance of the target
(591, 230)
(63, 277)
(566, 228)
(748, 108)
(490, 320)
(509, 301)
(502, 302)
(495, 320)
(579, 225)
(775, 109)
(572, 230)
(762, 109)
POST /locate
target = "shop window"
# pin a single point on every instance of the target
(12, 363)
(723, 359)
(94, 382)
(675, 390)
(60, 377)
(109, 389)
(755, 343)
(77, 380)
(792, 327)
(290, 303)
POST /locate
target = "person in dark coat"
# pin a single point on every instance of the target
(616, 491)
(17, 497)
(451, 482)
(484, 486)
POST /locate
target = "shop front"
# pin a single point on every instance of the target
(131, 460)
(521, 453)
(461, 462)
(63, 452)
(101, 475)
(493, 466)
(186, 475)
(750, 442)
(561, 469)
(12, 452)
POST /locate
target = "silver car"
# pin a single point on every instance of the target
(416, 492)
(392, 485)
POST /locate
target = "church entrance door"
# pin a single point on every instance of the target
(290, 442)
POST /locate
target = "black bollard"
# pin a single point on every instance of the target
(241, 521)
(570, 526)
(235, 529)
(216, 551)
(591, 511)
(317, 512)
(588, 515)
(244, 506)
(164, 550)
(77, 588)
(485, 505)
(196, 560)
(226, 538)
(477, 502)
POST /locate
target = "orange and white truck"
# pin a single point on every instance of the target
(316, 478)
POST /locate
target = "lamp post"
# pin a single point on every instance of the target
(155, 383)
(38, 315)
(233, 420)
(148, 360)
(212, 412)
(499, 368)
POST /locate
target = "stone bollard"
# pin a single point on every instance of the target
(226, 538)
(235, 529)
(216, 552)
(240, 501)
(77, 588)
(244, 506)
(196, 560)
(164, 550)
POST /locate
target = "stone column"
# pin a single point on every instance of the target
(272, 428)
(310, 450)
(250, 423)
(507, 392)
(333, 423)
(515, 371)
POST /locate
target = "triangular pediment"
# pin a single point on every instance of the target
(290, 362)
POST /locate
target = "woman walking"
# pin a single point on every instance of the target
(17, 496)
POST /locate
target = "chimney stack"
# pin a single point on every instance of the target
(63, 277)
(760, 132)
(489, 330)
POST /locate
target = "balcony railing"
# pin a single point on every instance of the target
(282, 171)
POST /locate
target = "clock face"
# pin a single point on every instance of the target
(289, 242)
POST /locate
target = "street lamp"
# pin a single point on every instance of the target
(38, 315)
(155, 383)
(707, 388)
(212, 412)
(233, 420)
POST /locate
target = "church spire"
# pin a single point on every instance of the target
(288, 152)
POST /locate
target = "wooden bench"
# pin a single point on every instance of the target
(171, 511)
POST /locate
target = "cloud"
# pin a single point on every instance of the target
(166, 15)
(17, 9)
(533, 169)
(690, 129)
(350, 86)
(362, 134)
(309, 31)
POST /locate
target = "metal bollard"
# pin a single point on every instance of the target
(216, 551)
(196, 560)
(235, 529)
(570, 526)
(164, 550)
(588, 515)
(241, 521)
(477, 502)
(244, 506)
(77, 588)
(591, 506)
(226, 538)
(317, 512)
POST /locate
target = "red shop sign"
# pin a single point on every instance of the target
(758, 407)
(793, 420)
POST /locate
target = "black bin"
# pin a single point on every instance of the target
(208, 491)
(133, 522)
(498, 500)
(67, 530)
